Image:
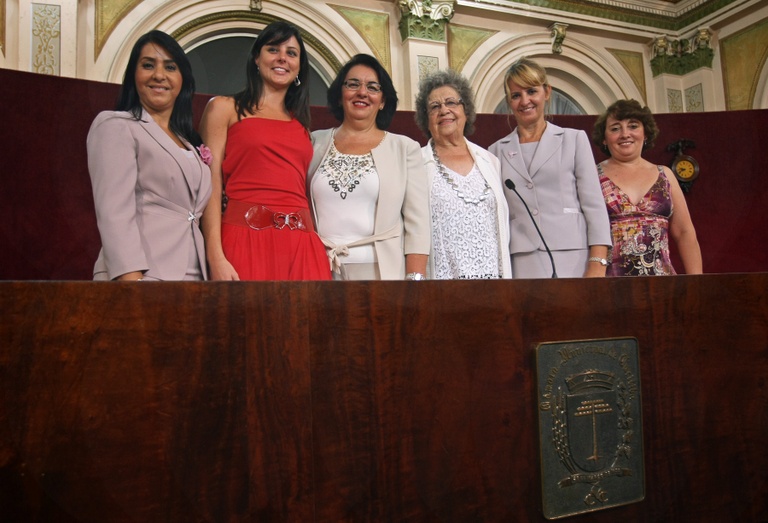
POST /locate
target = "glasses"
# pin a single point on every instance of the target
(355, 85)
(450, 104)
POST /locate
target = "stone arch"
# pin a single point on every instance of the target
(326, 34)
(592, 77)
(761, 89)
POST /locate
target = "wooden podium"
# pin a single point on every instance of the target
(373, 401)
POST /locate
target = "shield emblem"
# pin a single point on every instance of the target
(593, 423)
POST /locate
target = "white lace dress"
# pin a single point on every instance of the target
(465, 236)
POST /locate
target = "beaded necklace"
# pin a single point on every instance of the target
(448, 178)
(345, 171)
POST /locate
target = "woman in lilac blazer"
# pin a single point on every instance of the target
(149, 170)
(553, 171)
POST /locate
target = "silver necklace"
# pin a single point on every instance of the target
(448, 178)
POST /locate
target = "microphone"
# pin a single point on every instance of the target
(511, 186)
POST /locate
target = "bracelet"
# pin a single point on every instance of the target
(415, 276)
(601, 261)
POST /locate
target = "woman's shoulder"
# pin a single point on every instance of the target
(220, 107)
(401, 140)
(476, 148)
(222, 101)
(113, 119)
(501, 141)
(322, 138)
(103, 116)
(323, 134)
(566, 131)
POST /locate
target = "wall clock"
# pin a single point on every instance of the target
(685, 167)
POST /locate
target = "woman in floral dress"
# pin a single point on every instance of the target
(645, 203)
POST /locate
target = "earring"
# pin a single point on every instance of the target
(296, 81)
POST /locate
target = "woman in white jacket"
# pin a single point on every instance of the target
(367, 185)
(469, 215)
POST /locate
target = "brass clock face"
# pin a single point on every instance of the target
(686, 168)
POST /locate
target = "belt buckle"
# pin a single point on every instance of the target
(291, 220)
(258, 215)
(261, 217)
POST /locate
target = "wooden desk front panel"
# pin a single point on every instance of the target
(376, 401)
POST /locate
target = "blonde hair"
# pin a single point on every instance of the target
(526, 73)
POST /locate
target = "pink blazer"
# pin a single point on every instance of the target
(149, 197)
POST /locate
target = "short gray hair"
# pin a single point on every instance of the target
(450, 78)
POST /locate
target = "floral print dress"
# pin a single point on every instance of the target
(640, 231)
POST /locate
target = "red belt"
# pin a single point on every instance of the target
(256, 216)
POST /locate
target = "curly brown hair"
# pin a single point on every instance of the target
(450, 78)
(626, 110)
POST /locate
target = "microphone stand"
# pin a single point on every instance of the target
(511, 186)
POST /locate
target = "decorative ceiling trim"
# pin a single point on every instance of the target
(656, 15)
(255, 18)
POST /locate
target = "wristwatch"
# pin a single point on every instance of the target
(415, 276)
(601, 261)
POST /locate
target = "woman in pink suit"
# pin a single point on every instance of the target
(149, 171)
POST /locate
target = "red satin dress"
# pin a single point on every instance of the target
(265, 164)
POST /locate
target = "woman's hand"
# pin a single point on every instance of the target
(221, 269)
(596, 269)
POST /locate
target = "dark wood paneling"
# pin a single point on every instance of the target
(372, 401)
(48, 224)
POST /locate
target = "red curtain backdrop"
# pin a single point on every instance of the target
(48, 228)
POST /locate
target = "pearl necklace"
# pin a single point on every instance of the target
(448, 178)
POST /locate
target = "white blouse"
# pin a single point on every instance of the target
(345, 191)
(465, 235)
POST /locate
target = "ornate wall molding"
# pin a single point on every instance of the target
(46, 39)
(694, 99)
(557, 32)
(108, 14)
(373, 27)
(632, 62)
(425, 19)
(463, 41)
(674, 101)
(743, 55)
(680, 57)
(427, 65)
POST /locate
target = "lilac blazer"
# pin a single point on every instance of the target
(149, 197)
(562, 189)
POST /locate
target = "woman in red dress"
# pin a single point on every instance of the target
(257, 225)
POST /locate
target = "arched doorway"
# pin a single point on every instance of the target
(218, 65)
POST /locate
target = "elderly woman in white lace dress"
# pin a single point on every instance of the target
(469, 214)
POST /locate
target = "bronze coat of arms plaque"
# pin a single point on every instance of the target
(590, 425)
